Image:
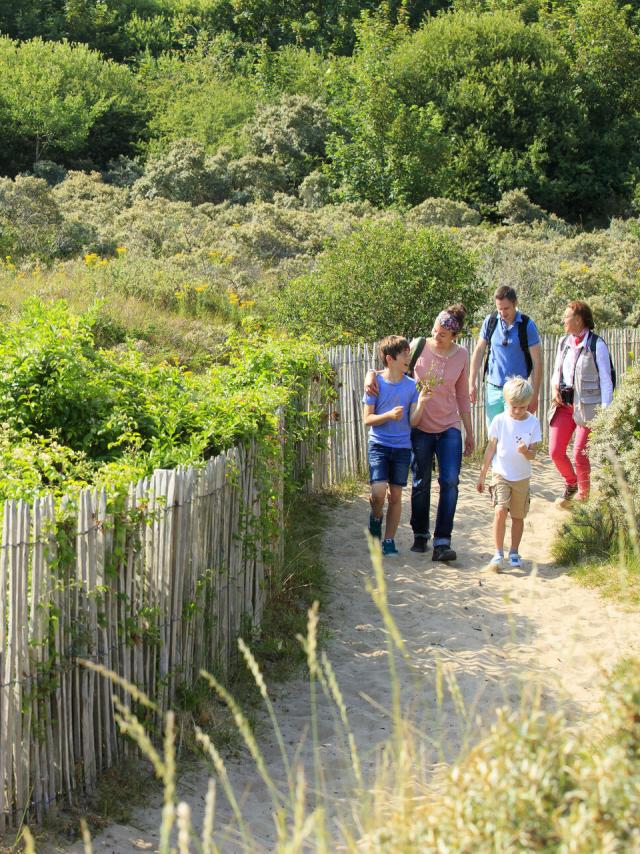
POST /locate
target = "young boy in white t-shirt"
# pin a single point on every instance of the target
(514, 436)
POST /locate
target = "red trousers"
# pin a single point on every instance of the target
(561, 430)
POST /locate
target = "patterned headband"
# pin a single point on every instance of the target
(448, 321)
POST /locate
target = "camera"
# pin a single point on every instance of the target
(566, 394)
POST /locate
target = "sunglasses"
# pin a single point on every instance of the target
(505, 339)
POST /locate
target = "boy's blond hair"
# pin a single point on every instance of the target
(517, 391)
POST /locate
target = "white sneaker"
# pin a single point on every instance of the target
(515, 561)
(496, 562)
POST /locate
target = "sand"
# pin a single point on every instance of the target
(500, 635)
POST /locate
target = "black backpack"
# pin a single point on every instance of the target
(416, 348)
(522, 336)
(593, 343)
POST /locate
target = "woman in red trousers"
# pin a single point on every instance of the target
(582, 382)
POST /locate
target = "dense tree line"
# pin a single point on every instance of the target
(391, 103)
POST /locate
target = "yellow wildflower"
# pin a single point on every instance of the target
(121, 250)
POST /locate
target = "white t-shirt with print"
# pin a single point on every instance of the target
(509, 432)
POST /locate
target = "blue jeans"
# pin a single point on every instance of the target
(447, 447)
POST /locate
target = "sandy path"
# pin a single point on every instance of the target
(496, 633)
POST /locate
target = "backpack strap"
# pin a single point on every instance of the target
(416, 348)
(593, 344)
(491, 328)
(524, 342)
(523, 339)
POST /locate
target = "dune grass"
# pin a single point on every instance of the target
(536, 781)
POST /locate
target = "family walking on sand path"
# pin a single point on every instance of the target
(414, 420)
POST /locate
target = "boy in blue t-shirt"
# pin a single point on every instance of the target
(390, 416)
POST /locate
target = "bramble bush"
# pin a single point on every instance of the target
(381, 278)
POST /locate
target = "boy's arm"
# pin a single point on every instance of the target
(417, 409)
(371, 419)
(486, 462)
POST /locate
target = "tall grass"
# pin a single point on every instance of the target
(600, 543)
(534, 782)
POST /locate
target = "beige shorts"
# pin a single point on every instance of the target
(512, 494)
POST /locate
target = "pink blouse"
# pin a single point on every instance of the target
(449, 378)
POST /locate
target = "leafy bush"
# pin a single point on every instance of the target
(615, 450)
(382, 278)
(30, 216)
(182, 175)
(55, 93)
(75, 414)
(293, 132)
(443, 212)
(315, 190)
(515, 206)
(203, 96)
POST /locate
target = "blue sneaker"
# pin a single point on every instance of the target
(389, 548)
(375, 526)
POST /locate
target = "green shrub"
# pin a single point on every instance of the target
(182, 175)
(293, 132)
(615, 451)
(443, 212)
(382, 278)
(56, 93)
(30, 215)
(75, 414)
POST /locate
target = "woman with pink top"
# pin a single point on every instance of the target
(443, 366)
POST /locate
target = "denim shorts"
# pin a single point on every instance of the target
(389, 465)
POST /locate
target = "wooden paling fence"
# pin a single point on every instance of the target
(154, 593)
(346, 452)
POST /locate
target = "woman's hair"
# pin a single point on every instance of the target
(452, 318)
(517, 390)
(583, 311)
(458, 311)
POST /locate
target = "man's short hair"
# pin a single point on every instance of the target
(506, 292)
(517, 391)
(392, 346)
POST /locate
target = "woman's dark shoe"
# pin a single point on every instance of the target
(443, 553)
(420, 545)
(570, 491)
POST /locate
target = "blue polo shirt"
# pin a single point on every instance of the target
(506, 358)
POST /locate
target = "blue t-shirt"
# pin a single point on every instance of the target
(506, 358)
(393, 434)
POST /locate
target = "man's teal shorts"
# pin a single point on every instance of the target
(493, 402)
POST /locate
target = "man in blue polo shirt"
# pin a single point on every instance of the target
(513, 346)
